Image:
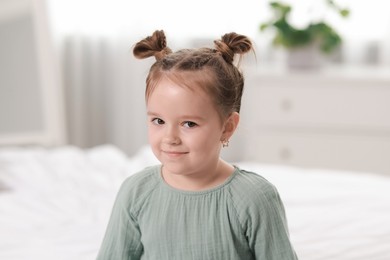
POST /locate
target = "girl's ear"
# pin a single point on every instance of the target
(230, 126)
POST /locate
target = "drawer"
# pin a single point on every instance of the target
(317, 102)
(357, 153)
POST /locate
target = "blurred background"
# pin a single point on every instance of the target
(67, 76)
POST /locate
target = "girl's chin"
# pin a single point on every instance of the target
(175, 168)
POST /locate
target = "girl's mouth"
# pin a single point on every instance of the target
(175, 153)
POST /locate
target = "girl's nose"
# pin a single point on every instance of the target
(172, 136)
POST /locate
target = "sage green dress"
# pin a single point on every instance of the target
(243, 218)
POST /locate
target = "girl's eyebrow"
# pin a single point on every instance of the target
(192, 117)
(152, 114)
(185, 117)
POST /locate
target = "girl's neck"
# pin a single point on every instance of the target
(199, 182)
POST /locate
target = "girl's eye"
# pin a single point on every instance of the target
(189, 124)
(158, 121)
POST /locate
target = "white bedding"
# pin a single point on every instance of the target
(55, 204)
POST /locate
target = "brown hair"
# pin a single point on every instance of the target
(211, 70)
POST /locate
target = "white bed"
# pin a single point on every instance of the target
(55, 204)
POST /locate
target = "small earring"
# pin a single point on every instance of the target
(225, 143)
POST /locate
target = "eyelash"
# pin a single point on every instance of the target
(158, 121)
(187, 124)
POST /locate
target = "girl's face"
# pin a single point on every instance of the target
(185, 129)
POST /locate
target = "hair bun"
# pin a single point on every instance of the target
(154, 45)
(231, 44)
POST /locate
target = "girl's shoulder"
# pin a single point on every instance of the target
(138, 186)
(251, 187)
(252, 180)
(146, 176)
(254, 197)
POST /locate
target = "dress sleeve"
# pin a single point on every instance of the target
(267, 230)
(122, 239)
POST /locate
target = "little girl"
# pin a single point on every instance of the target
(195, 205)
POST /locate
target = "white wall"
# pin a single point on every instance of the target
(367, 27)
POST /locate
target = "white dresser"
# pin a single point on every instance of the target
(336, 119)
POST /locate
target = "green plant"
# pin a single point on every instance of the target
(291, 37)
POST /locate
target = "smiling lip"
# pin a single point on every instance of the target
(174, 153)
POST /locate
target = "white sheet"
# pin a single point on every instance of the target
(333, 214)
(58, 203)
